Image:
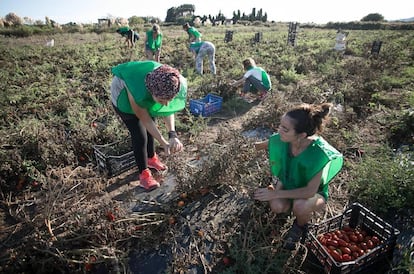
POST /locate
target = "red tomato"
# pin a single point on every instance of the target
(346, 238)
(360, 237)
(338, 233)
(354, 248)
(110, 216)
(322, 239)
(353, 238)
(346, 258)
(226, 260)
(375, 240)
(347, 228)
(335, 254)
(332, 242)
(88, 267)
(355, 255)
(363, 245)
(345, 250)
(363, 232)
(342, 243)
(370, 244)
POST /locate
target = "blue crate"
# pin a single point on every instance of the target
(206, 106)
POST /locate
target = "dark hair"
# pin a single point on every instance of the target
(156, 27)
(309, 118)
(249, 62)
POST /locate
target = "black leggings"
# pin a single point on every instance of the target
(142, 141)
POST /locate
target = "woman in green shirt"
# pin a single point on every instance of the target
(200, 50)
(140, 92)
(153, 43)
(193, 34)
(131, 36)
(303, 164)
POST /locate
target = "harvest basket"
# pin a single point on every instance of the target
(354, 216)
(206, 106)
(114, 158)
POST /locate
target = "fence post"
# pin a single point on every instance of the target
(293, 28)
(229, 36)
(258, 37)
(376, 47)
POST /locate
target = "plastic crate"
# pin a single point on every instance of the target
(206, 106)
(114, 158)
(355, 216)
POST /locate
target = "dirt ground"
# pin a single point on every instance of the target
(84, 222)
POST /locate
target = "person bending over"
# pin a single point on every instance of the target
(140, 92)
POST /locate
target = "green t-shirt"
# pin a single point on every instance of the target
(153, 44)
(133, 74)
(123, 31)
(194, 32)
(195, 46)
(296, 172)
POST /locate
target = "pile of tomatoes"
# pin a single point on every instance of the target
(348, 244)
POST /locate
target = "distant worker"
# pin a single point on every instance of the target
(130, 35)
(153, 43)
(340, 40)
(255, 80)
(193, 34)
(201, 50)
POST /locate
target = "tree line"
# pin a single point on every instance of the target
(186, 12)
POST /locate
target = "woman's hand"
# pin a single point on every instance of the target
(175, 145)
(166, 148)
(265, 194)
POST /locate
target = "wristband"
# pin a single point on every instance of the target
(172, 134)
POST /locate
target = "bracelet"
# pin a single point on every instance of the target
(172, 134)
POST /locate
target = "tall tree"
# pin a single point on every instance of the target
(373, 17)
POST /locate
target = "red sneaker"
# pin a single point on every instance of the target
(155, 163)
(147, 181)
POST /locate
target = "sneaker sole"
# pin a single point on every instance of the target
(151, 188)
(159, 170)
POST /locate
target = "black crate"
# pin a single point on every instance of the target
(114, 158)
(355, 216)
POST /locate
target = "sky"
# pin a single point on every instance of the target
(302, 11)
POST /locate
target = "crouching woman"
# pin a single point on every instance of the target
(302, 163)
